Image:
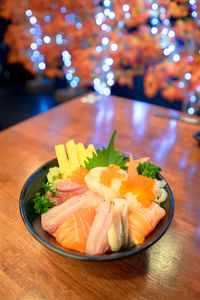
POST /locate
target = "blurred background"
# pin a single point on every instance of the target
(52, 51)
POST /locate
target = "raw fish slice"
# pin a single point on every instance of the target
(97, 242)
(61, 194)
(139, 226)
(61, 197)
(67, 185)
(56, 200)
(57, 215)
(143, 220)
(154, 213)
(73, 233)
(118, 232)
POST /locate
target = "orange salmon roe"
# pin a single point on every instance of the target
(109, 173)
(142, 187)
(78, 175)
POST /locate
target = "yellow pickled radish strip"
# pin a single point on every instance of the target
(72, 155)
(81, 151)
(62, 160)
(90, 150)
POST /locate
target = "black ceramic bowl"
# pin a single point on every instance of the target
(33, 224)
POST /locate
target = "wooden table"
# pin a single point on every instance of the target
(170, 269)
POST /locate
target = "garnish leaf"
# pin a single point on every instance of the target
(107, 156)
(148, 169)
(42, 202)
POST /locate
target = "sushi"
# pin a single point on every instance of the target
(101, 207)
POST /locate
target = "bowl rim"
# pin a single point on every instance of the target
(112, 256)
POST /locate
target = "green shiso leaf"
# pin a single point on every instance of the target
(107, 156)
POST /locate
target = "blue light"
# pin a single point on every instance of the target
(107, 3)
(76, 78)
(66, 55)
(154, 21)
(164, 31)
(106, 68)
(111, 15)
(33, 46)
(67, 63)
(110, 82)
(154, 6)
(194, 14)
(176, 57)
(36, 53)
(59, 39)
(171, 48)
(193, 98)
(171, 34)
(105, 40)
(32, 30)
(28, 13)
(33, 20)
(42, 66)
(47, 19)
(63, 10)
(106, 12)
(127, 16)
(198, 89)
(69, 76)
(41, 58)
(114, 47)
(191, 110)
(108, 29)
(162, 10)
(73, 83)
(47, 39)
(104, 27)
(96, 81)
(100, 15)
(110, 75)
(72, 70)
(120, 24)
(190, 58)
(98, 49)
(33, 58)
(39, 42)
(181, 85)
(109, 61)
(125, 7)
(154, 30)
(166, 51)
(107, 91)
(166, 22)
(79, 25)
(188, 76)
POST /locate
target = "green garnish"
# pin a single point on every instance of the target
(107, 156)
(42, 202)
(148, 169)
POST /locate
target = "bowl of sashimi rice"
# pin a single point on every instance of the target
(96, 204)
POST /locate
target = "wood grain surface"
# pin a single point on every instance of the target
(167, 270)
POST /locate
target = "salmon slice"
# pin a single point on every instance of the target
(73, 233)
(97, 242)
(57, 215)
(154, 213)
(143, 220)
(139, 226)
